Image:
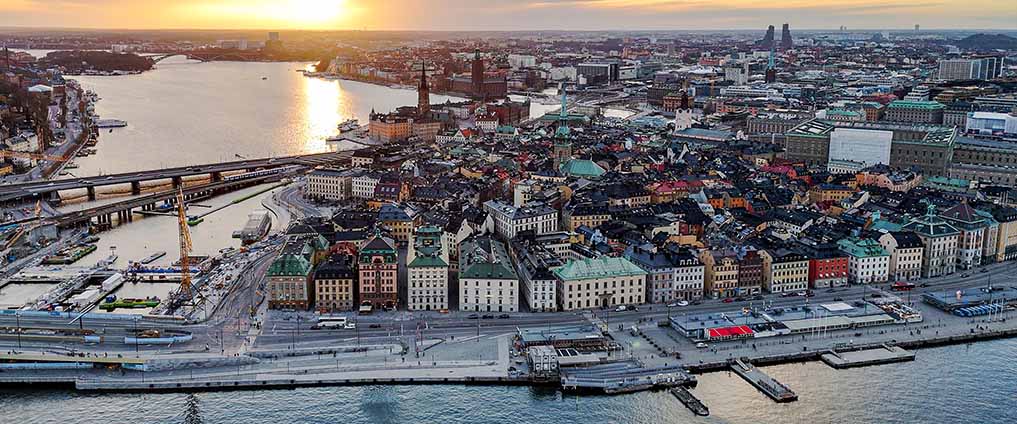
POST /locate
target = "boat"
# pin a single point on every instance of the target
(690, 401)
(264, 78)
(349, 125)
(151, 258)
(256, 228)
(69, 255)
(110, 123)
(112, 303)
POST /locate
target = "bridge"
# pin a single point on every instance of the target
(124, 210)
(50, 190)
(209, 55)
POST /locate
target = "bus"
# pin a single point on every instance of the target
(327, 321)
(903, 286)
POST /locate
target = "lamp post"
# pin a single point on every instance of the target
(17, 316)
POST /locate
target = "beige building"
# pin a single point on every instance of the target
(602, 282)
(333, 284)
(720, 273)
(905, 249)
(784, 271)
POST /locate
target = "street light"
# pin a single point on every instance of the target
(17, 316)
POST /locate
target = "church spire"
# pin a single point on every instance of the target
(423, 93)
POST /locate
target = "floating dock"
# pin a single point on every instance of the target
(860, 358)
(766, 384)
(690, 401)
(623, 377)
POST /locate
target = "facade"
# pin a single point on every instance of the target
(362, 186)
(510, 220)
(602, 282)
(540, 286)
(982, 68)
(970, 241)
(378, 273)
(427, 270)
(329, 184)
(868, 262)
(940, 241)
(828, 266)
(720, 273)
(906, 250)
(334, 281)
(784, 271)
(288, 282)
(487, 281)
(919, 112)
(671, 274)
(588, 215)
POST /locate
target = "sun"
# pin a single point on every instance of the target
(312, 12)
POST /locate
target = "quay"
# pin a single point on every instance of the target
(623, 377)
(860, 358)
(690, 401)
(766, 384)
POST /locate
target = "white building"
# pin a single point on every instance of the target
(329, 184)
(602, 282)
(487, 282)
(539, 283)
(363, 185)
(868, 262)
(905, 250)
(510, 220)
(427, 269)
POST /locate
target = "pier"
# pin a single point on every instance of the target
(690, 401)
(623, 377)
(882, 355)
(766, 384)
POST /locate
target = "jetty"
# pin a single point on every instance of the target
(766, 384)
(883, 355)
(690, 401)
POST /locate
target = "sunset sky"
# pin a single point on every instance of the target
(507, 14)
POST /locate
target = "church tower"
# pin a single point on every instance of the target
(423, 94)
(683, 118)
(477, 76)
(771, 68)
(562, 136)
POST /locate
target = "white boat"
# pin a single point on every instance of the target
(110, 123)
(349, 125)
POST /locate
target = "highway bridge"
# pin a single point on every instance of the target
(50, 189)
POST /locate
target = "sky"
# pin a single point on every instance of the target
(454, 15)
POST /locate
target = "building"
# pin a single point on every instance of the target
(378, 267)
(478, 84)
(397, 221)
(510, 220)
(334, 282)
(487, 280)
(828, 265)
(991, 123)
(289, 281)
(915, 112)
(585, 214)
(940, 241)
(329, 184)
(784, 271)
(540, 287)
(602, 282)
(970, 241)
(906, 250)
(868, 262)
(364, 184)
(971, 69)
(672, 274)
(427, 270)
(720, 273)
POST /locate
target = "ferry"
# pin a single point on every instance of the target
(110, 123)
(349, 125)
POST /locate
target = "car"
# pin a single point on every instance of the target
(801, 294)
(696, 302)
(837, 299)
(876, 295)
(504, 316)
(473, 316)
(350, 325)
(375, 326)
(728, 300)
(488, 316)
(621, 308)
(757, 297)
(109, 178)
(965, 275)
(923, 285)
(443, 311)
(983, 270)
(680, 303)
(702, 345)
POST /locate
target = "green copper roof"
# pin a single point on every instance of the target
(912, 104)
(289, 266)
(603, 267)
(422, 261)
(487, 270)
(582, 168)
(862, 248)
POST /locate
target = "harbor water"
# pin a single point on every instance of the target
(951, 384)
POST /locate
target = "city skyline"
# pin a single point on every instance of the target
(506, 14)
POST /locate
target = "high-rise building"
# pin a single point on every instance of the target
(982, 68)
(477, 74)
(785, 38)
(767, 41)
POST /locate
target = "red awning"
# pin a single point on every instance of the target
(730, 332)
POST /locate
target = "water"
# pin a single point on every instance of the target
(951, 384)
(185, 113)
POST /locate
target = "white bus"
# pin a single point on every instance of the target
(331, 322)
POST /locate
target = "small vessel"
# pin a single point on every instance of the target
(110, 123)
(264, 78)
(151, 258)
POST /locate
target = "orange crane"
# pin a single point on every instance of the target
(185, 246)
(34, 156)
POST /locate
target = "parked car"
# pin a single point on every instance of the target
(504, 316)
(488, 316)
(728, 300)
(702, 345)
(473, 316)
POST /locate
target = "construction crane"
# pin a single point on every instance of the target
(26, 229)
(185, 246)
(34, 156)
